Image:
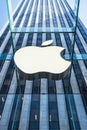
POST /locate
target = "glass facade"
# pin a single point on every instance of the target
(43, 104)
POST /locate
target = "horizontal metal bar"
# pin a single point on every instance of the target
(43, 30)
(76, 56)
(66, 56)
(6, 57)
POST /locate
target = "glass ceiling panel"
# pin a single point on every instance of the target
(47, 14)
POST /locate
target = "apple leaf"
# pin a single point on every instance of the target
(47, 43)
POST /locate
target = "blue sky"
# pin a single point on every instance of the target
(82, 10)
(3, 11)
(4, 16)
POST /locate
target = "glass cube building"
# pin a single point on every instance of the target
(43, 104)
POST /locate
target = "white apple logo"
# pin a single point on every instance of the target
(42, 62)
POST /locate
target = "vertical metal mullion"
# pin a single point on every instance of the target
(53, 95)
(10, 15)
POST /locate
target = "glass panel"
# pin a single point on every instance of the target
(37, 18)
(43, 104)
(68, 112)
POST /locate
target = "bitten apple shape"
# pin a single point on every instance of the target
(41, 62)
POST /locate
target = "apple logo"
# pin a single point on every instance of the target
(42, 62)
